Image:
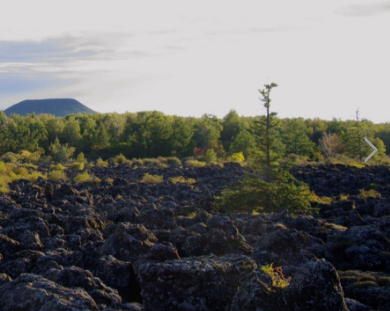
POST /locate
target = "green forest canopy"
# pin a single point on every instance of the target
(152, 134)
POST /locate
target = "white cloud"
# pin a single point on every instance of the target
(189, 58)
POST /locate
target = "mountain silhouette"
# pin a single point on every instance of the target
(59, 107)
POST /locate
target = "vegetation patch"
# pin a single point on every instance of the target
(57, 175)
(152, 179)
(101, 163)
(83, 177)
(182, 179)
(57, 167)
(363, 193)
(194, 163)
(276, 274)
(77, 166)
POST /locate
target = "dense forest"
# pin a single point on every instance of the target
(152, 134)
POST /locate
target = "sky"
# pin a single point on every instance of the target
(187, 58)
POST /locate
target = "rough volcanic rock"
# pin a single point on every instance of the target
(128, 242)
(358, 248)
(33, 292)
(76, 277)
(194, 283)
(315, 286)
(287, 247)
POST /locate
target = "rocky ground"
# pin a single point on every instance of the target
(127, 245)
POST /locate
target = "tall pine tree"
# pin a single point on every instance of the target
(268, 185)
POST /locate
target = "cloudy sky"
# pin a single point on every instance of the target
(190, 58)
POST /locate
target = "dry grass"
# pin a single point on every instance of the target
(182, 179)
(152, 179)
(369, 193)
(77, 166)
(194, 163)
(101, 163)
(83, 177)
(57, 175)
(57, 167)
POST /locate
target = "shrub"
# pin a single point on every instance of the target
(57, 167)
(194, 163)
(30, 166)
(369, 193)
(101, 163)
(137, 162)
(120, 158)
(61, 152)
(182, 179)
(83, 177)
(33, 177)
(28, 156)
(173, 161)
(96, 180)
(276, 274)
(153, 162)
(10, 157)
(322, 200)
(152, 179)
(237, 157)
(80, 157)
(6, 168)
(216, 163)
(78, 166)
(210, 155)
(4, 188)
(57, 175)
(20, 170)
(296, 159)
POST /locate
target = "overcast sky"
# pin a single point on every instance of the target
(190, 58)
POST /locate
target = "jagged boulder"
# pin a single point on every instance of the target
(34, 292)
(315, 286)
(193, 283)
(128, 242)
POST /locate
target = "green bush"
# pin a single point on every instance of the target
(77, 166)
(237, 157)
(27, 156)
(80, 157)
(10, 157)
(120, 159)
(276, 274)
(83, 177)
(101, 163)
(210, 156)
(57, 167)
(57, 175)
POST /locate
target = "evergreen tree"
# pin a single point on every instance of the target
(296, 139)
(355, 145)
(231, 127)
(244, 142)
(268, 185)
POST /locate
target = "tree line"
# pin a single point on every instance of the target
(152, 134)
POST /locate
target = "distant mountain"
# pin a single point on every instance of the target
(60, 107)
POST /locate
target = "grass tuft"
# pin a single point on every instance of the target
(152, 179)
